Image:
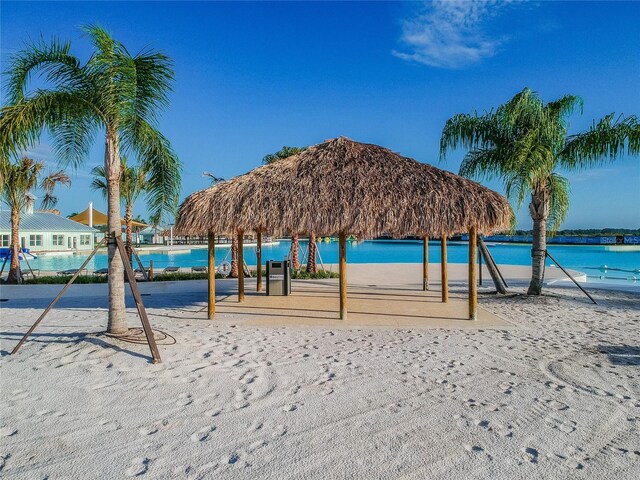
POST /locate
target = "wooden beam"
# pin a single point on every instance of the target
(211, 305)
(259, 262)
(343, 274)
(240, 266)
(473, 282)
(444, 275)
(425, 263)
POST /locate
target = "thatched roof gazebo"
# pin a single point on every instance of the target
(341, 187)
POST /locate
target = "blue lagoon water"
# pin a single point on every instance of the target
(612, 261)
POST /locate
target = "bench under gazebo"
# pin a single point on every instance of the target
(341, 188)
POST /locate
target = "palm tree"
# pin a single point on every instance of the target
(18, 181)
(281, 154)
(525, 143)
(113, 92)
(133, 182)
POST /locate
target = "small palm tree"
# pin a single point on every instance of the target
(113, 92)
(18, 180)
(134, 181)
(286, 152)
(525, 143)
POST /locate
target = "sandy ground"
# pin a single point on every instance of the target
(554, 395)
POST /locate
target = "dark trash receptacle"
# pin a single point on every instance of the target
(278, 277)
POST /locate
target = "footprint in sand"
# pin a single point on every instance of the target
(149, 430)
(8, 431)
(530, 454)
(203, 435)
(110, 425)
(279, 431)
(289, 407)
(184, 399)
(139, 466)
(3, 461)
(214, 412)
(256, 445)
(255, 426)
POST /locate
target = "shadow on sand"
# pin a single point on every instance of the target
(621, 354)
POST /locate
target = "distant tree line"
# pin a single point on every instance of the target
(588, 232)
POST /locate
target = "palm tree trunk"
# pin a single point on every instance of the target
(539, 210)
(312, 267)
(234, 257)
(15, 274)
(117, 322)
(295, 255)
(128, 218)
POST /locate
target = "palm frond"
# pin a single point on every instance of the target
(162, 165)
(605, 141)
(99, 182)
(52, 59)
(68, 116)
(471, 131)
(559, 190)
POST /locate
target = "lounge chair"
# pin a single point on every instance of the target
(71, 271)
(199, 269)
(101, 271)
(34, 272)
(171, 269)
(139, 270)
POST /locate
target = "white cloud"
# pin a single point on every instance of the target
(451, 33)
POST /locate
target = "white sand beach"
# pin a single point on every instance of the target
(552, 392)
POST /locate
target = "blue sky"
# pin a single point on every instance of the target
(252, 77)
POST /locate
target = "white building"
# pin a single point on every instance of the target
(47, 232)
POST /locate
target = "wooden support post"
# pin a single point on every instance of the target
(343, 274)
(240, 266)
(425, 263)
(55, 300)
(444, 277)
(151, 270)
(473, 285)
(211, 269)
(142, 313)
(259, 262)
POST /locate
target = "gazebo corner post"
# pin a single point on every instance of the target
(259, 261)
(444, 274)
(473, 282)
(425, 263)
(240, 266)
(342, 271)
(211, 269)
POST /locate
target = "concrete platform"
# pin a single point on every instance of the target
(318, 305)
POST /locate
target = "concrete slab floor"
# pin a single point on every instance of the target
(318, 305)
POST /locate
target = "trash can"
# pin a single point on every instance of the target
(278, 277)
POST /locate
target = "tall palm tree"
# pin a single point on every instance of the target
(113, 92)
(133, 182)
(526, 144)
(18, 180)
(281, 154)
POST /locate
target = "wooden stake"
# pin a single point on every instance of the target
(259, 262)
(473, 285)
(443, 269)
(211, 300)
(343, 275)
(425, 263)
(240, 266)
(146, 326)
(55, 300)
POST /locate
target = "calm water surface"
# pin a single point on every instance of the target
(622, 262)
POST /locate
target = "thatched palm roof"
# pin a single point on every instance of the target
(345, 186)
